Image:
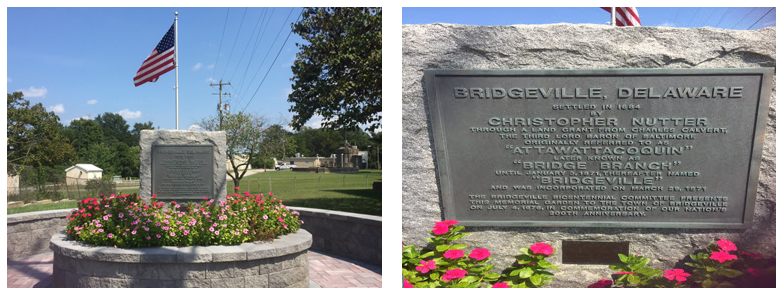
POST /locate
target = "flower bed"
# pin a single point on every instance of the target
(121, 241)
(277, 264)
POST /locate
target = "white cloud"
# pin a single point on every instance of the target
(197, 66)
(667, 24)
(71, 120)
(127, 114)
(92, 102)
(34, 92)
(210, 80)
(58, 108)
(288, 92)
(8, 80)
(195, 127)
(212, 66)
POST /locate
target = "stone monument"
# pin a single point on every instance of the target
(182, 166)
(493, 76)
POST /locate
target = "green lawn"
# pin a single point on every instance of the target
(339, 192)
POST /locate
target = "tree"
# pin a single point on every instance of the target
(34, 136)
(337, 75)
(82, 133)
(115, 129)
(243, 140)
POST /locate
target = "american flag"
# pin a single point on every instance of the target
(159, 62)
(625, 16)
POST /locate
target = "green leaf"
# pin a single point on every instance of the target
(458, 247)
(428, 254)
(691, 264)
(634, 279)
(535, 279)
(623, 258)
(730, 273)
(618, 267)
(492, 276)
(525, 251)
(469, 279)
(545, 264)
(709, 284)
(525, 273)
(442, 248)
(515, 272)
(523, 259)
(434, 276)
(648, 272)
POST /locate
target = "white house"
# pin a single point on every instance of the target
(81, 173)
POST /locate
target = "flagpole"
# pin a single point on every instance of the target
(176, 68)
(613, 18)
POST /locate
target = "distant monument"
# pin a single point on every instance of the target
(182, 166)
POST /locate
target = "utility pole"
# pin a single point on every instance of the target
(220, 104)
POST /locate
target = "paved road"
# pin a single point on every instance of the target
(326, 270)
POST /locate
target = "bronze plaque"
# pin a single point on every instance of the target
(661, 148)
(591, 252)
(182, 172)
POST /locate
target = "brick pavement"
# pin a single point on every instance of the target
(326, 270)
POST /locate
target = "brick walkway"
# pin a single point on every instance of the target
(326, 270)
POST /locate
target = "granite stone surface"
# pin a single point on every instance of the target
(567, 46)
(173, 137)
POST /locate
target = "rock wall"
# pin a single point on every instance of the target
(567, 46)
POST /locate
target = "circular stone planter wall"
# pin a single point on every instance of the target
(278, 264)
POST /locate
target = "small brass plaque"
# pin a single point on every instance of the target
(589, 252)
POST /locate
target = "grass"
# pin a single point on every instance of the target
(339, 192)
(43, 207)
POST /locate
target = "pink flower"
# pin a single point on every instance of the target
(454, 254)
(601, 284)
(148, 237)
(405, 284)
(110, 235)
(236, 188)
(500, 285)
(440, 228)
(426, 266)
(726, 245)
(676, 274)
(542, 248)
(752, 255)
(450, 222)
(172, 234)
(265, 217)
(623, 273)
(454, 274)
(217, 233)
(754, 272)
(479, 254)
(723, 256)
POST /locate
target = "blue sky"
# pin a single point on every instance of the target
(80, 62)
(738, 18)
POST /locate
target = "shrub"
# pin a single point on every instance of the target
(127, 221)
(718, 266)
(444, 264)
(97, 187)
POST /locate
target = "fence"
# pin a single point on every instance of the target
(338, 181)
(69, 189)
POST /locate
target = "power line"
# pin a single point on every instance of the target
(235, 43)
(694, 16)
(259, 37)
(711, 15)
(221, 43)
(273, 62)
(721, 17)
(768, 11)
(743, 18)
(248, 43)
(270, 49)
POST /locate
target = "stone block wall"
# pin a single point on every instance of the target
(567, 46)
(29, 233)
(350, 235)
(282, 263)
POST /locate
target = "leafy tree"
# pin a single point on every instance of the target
(82, 133)
(321, 142)
(103, 156)
(337, 74)
(244, 139)
(34, 136)
(115, 129)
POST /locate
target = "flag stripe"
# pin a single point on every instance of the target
(625, 16)
(162, 61)
(159, 62)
